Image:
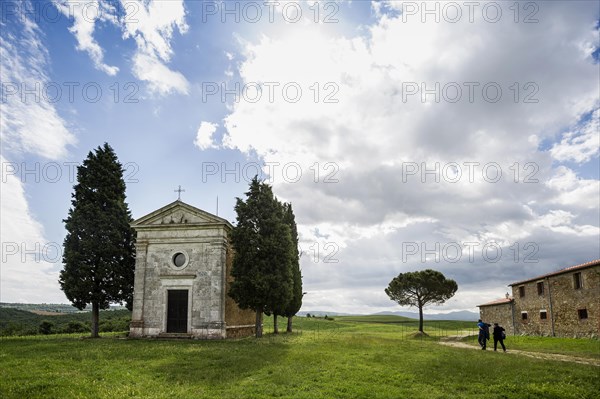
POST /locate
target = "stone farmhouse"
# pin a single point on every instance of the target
(182, 270)
(565, 303)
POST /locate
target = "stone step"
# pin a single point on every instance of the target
(175, 335)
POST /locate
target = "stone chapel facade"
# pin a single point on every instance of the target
(182, 270)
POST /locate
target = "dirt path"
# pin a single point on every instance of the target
(453, 341)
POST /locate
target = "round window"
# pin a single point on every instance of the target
(179, 259)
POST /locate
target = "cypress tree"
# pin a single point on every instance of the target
(294, 305)
(99, 253)
(262, 265)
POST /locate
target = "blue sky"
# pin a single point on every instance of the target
(389, 91)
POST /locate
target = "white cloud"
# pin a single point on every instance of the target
(204, 136)
(572, 191)
(29, 123)
(581, 144)
(374, 129)
(152, 25)
(562, 222)
(85, 15)
(160, 78)
(29, 126)
(27, 273)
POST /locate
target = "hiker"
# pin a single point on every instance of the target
(499, 335)
(484, 333)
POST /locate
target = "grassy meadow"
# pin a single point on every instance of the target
(584, 348)
(349, 357)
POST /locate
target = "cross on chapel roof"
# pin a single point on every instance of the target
(179, 191)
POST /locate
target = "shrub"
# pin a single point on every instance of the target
(46, 327)
(106, 326)
(75, 327)
(10, 329)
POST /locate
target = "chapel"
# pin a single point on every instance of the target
(182, 273)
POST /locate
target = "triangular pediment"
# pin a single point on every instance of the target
(178, 213)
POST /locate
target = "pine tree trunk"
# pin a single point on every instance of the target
(95, 319)
(289, 324)
(275, 325)
(421, 318)
(258, 326)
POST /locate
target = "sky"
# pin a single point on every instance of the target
(458, 136)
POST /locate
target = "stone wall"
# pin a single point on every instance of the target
(241, 331)
(566, 301)
(531, 305)
(137, 316)
(500, 313)
(239, 322)
(561, 302)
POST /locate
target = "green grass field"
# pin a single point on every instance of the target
(585, 348)
(437, 328)
(343, 358)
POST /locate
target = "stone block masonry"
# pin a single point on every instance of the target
(565, 303)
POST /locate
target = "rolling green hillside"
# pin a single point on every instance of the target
(20, 322)
(407, 322)
(46, 307)
(377, 319)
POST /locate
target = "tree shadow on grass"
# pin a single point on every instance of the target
(220, 363)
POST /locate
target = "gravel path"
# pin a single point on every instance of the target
(453, 341)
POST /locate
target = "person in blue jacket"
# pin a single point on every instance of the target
(484, 333)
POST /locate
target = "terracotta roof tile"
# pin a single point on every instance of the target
(496, 302)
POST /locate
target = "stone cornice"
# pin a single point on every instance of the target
(177, 276)
(213, 220)
(182, 226)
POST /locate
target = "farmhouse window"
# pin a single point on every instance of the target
(524, 316)
(577, 281)
(540, 288)
(582, 313)
(522, 291)
(543, 315)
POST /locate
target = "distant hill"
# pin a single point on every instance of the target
(463, 315)
(459, 315)
(379, 319)
(324, 313)
(41, 307)
(48, 308)
(23, 322)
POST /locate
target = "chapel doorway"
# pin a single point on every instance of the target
(177, 311)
